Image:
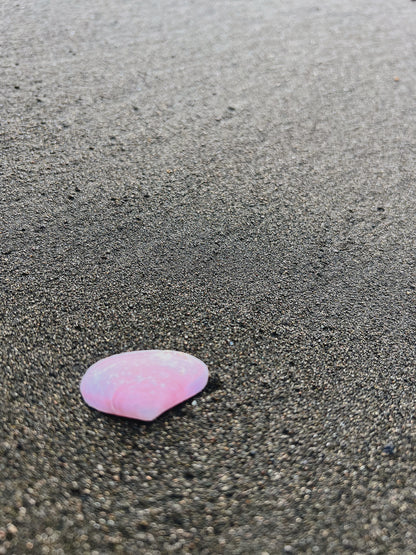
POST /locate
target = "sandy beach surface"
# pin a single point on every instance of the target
(235, 180)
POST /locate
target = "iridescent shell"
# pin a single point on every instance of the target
(143, 384)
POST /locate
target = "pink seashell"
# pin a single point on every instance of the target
(143, 384)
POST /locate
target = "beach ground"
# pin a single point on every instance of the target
(232, 179)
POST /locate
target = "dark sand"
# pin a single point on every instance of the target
(234, 179)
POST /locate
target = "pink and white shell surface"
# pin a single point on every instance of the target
(143, 384)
